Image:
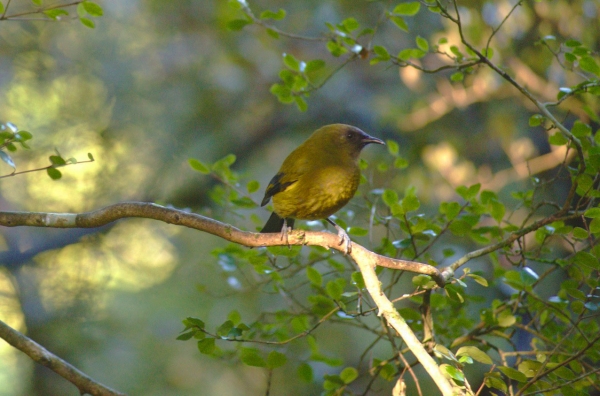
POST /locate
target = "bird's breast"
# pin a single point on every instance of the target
(318, 194)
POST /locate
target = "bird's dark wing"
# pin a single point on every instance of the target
(275, 224)
(276, 185)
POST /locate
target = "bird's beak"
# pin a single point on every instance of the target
(367, 139)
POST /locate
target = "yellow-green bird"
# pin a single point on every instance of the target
(317, 179)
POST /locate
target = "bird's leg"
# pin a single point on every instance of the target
(344, 238)
(284, 232)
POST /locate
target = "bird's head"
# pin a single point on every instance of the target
(344, 138)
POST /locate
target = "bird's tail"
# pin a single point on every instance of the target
(275, 224)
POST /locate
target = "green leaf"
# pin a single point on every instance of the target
(234, 317)
(349, 374)
(390, 197)
(57, 160)
(529, 368)
(535, 120)
(87, 22)
(458, 76)
(207, 346)
(93, 9)
(410, 203)
(275, 359)
(358, 231)
(506, 318)
(305, 372)
(580, 233)
(408, 9)
(513, 374)
(399, 22)
(301, 103)
(55, 13)
(350, 24)
(570, 43)
(357, 280)
(393, 147)
(252, 186)
(314, 276)
(225, 328)
(475, 353)
(244, 202)
(586, 259)
(409, 53)
(190, 322)
(335, 288)
(479, 279)
(494, 380)
(595, 226)
(198, 166)
(497, 211)
(588, 64)
(186, 336)
(90, 156)
(382, 53)
(422, 43)
(422, 280)
(336, 49)
(453, 372)
(468, 193)
(238, 24)
(268, 14)
(272, 33)
(557, 139)
(314, 65)
(592, 213)
(581, 130)
(54, 173)
(291, 62)
(252, 357)
(460, 227)
(450, 209)
(400, 163)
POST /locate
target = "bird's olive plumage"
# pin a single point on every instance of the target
(318, 178)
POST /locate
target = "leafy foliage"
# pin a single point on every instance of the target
(542, 249)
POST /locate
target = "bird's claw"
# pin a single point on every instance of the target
(284, 234)
(344, 240)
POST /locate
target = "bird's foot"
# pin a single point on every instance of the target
(344, 239)
(284, 234)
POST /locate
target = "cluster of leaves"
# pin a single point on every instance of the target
(331, 285)
(554, 240)
(347, 38)
(11, 138)
(85, 11)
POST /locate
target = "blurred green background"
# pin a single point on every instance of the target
(158, 82)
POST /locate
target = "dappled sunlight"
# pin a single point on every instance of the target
(444, 159)
(131, 256)
(449, 97)
(10, 313)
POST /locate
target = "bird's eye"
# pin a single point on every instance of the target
(351, 136)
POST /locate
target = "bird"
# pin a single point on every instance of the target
(317, 179)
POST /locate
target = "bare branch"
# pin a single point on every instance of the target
(41, 355)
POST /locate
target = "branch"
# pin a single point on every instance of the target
(228, 232)
(366, 260)
(41, 355)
